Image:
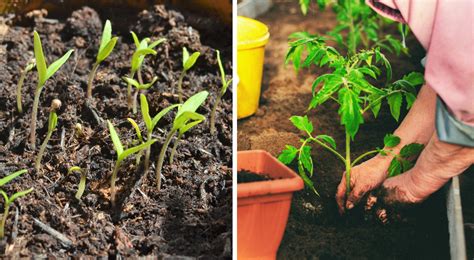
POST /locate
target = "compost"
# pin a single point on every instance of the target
(191, 215)
(315, 229)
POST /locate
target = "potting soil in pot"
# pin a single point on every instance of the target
(245, 176)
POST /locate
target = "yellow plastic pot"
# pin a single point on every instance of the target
(252, 36)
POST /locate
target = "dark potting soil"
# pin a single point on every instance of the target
(190, 216)
(245, 176)
(315, 230)
(467, 202)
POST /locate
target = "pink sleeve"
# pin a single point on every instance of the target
(446, 29)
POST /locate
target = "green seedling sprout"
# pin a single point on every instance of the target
(151, 123)
(225, 84)
(31, 64)
(185, 119)
(9, 200)
(82, 183)
(188, 63)
(121, 155)
(142, 49)
(107, 44)
(52, 123)
(140, 139)
(139, 87)
(44, 73)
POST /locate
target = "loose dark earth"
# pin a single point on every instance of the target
(191, 216)
(244, 176)
(315, 230)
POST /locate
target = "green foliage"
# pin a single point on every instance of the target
(150, 123)
(107, 43)
(143, 48)
(45, 72)
(31, 64)
(9, 200)
(225, 84)
(189, 60)
(405, 160)
(138, 85)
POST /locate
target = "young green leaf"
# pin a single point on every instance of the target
(350, 111)
(12, 176)
(306, 160)
(106, 35)
(137, 129)
(288, 154)
(135, 149)
(188, 61)
(391, 140)
(328, 139)
(395, 102)
(107, 50)
(302, 123)
(115, 139)
(395, 168)
(40, 60)
(193, 103)
(413, 149)
(136, 57)
(57, 64)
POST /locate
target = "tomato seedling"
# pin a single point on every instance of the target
(52, 123)
(44, 73)
(184, 120)
(139, 87)
(107, 44)
(142, 49)
(9, 200)
(225, 84)
(31, 64)
(188, 63)
(82, 183)
(151, 123)
(121, 155)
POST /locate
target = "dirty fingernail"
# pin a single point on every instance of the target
(349, 205)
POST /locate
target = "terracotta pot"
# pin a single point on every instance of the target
(263, 206)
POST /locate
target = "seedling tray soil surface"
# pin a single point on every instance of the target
(245, 176)
(191, 216)
(315, 230)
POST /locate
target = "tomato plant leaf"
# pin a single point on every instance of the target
(328, 139)
(288, 154)
(40, 59)
(305, 159)
(12, 176)
(410, 99)
(106, 35)
(108, 48)
(134, 149)
(395, 168)
(413, 149)
(391, 140)
(302, 123)
(394, 100)
(115, 139)
(375, 103)
(350, 111)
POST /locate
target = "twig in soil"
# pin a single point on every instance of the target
(63, 136)
(65, 241)
(188, 63)
(107, 44)
(52, 123)
(15, 224)
(225, 84)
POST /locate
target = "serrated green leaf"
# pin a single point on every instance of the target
(328, 139)
(12, 176)
(413, 149)
(57, 64)
(288, 154)
(415, 78)
(375, 103)
(134, 150)
(410, 99)
(395, 102)
(115, 139)
(350, 111)
(406, 165)
(302, 123)
(395, 168)
(391, 140)
(40, 59)
(305, 178)
(107, 50)
(106, 35)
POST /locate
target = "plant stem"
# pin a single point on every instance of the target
(173, 151)
(213, 115)
(129, 92)
(147, 154)
(134, 106)
(348, 163)
(18, 91)
(180, 88)
(352, 43)
(82, 185)
(34, 114)
(139, 76)
(4, 219)
(41, 151)
(161, 158)
(112, 182)
(362, 157)
(91, 79)
(329, 149)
